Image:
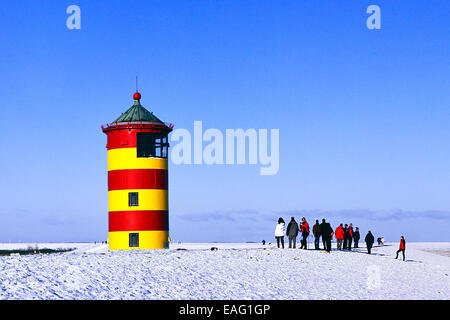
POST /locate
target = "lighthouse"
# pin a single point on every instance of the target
(137, 144)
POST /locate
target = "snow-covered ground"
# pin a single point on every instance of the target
(234, 271)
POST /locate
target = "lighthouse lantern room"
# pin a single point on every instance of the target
(138, 179)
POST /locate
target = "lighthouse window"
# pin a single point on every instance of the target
(158, 147)
(134, 240)
(145, 145)
(164, 146)
(151, 145)
(133, 199)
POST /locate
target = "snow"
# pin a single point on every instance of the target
(234, 271)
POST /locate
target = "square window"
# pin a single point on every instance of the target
(133, 199)
(133, 240)
(145, 145)
(150, 144)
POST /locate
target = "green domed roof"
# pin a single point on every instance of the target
(137, 113)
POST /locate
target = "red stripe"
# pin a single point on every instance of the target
(125, 138)
(137, 179)
(138, 220)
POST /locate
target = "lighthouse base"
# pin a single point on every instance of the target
(129, 240)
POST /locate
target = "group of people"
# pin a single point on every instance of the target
(293, 229)
(344, 234)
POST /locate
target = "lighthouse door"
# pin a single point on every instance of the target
(134, 240)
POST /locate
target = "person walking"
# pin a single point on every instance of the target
(350, 237)
(327, 234)
(292, 232)
(279, 232)
(369, 241)
(305, 233)
(402, 248)
(316, 233)
(356, 237)
(339, 235)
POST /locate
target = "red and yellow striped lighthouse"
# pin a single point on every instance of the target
(138, 180)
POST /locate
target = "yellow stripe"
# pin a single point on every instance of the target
(126, 158)
(147, 240)
(148, 199)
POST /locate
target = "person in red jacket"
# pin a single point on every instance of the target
(402, 248)
(339, 234)
(304, 227)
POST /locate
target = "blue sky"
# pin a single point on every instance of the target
(363, 114)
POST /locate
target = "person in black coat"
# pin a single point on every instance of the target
(327, 234)
(356, 237)
(346, 235)
(350, 237)
(292, 232)
(324, 242)
(317, 234)
(369, 241)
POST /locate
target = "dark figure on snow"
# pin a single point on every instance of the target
(402, 248)
(350, 237)
(345, 236)
(292, 232)
(327, 235)
(356, 237)
(316, 233)
(369, 241)
(279, 232)
(304, 227)
(321, 233)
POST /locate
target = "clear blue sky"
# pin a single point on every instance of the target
(363, 114)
